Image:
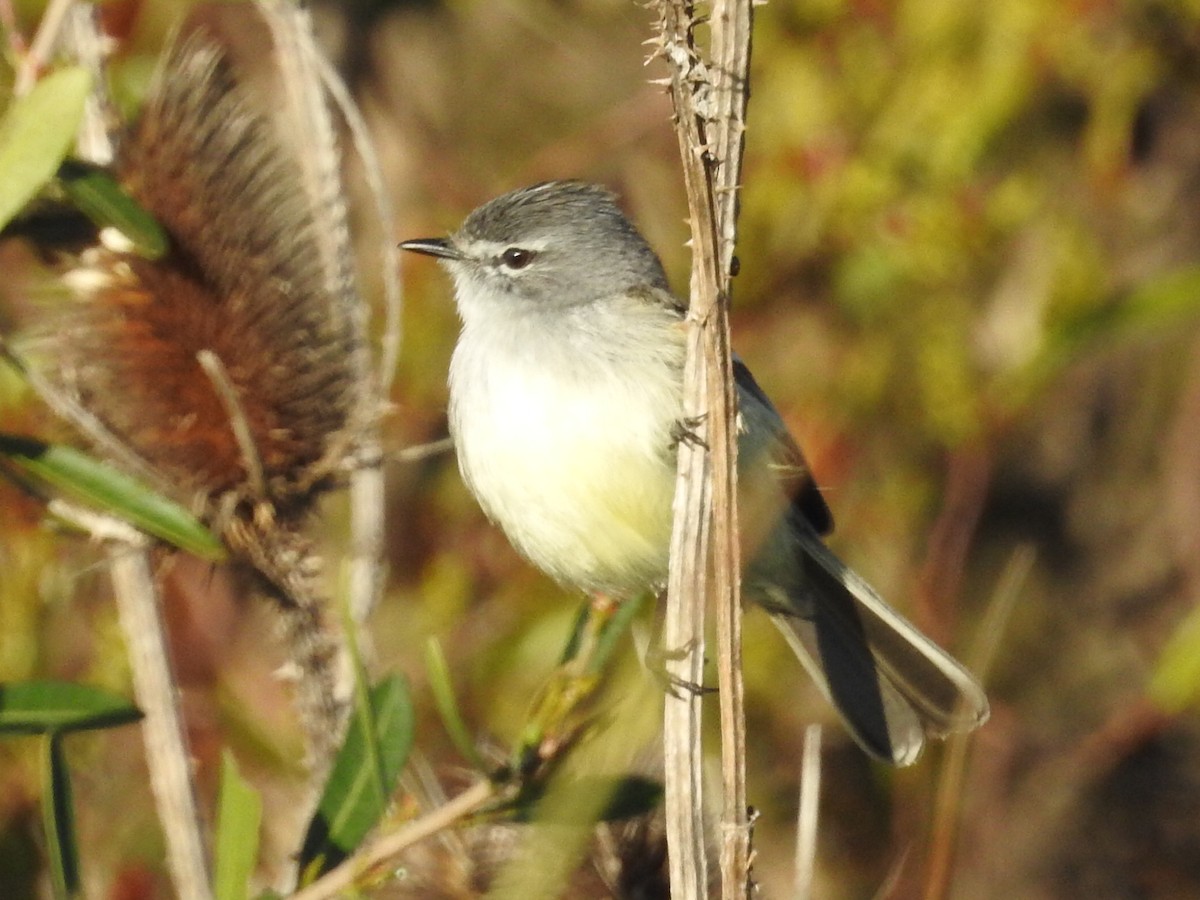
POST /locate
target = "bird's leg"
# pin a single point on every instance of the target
(657, 656)
(686, 431)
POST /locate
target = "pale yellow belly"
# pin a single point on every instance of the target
(580, 478)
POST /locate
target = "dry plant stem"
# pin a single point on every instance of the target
(367, 488)
(418, 452)
(42, 45)
(710, 127)
(683, 636)
(731, 32)
(687, 583)
(806, 819)
(307, 72)
(215, 370)
(167, 753)
(367, 523)
(943, 840)
(360, 135)
(385, 848)
(163, 735)
(90, 48)
(8, 21)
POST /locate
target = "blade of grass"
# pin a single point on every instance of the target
(239, 815)
(943, 841)
(58, 816)
(446, 704)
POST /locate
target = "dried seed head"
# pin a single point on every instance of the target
(246, 285)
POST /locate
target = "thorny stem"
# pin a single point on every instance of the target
(710, 102)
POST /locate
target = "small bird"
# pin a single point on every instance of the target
(565, 409)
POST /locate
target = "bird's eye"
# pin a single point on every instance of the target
(516, 258)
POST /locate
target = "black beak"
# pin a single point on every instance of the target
(439, 247)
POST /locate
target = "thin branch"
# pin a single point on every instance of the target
(167, 754)
(98, 526)
(710, 103)
(943, 841)
(17, 48)
(807, 817)
(227, 394)
(42, 46)
(367, 526)
(311, 80)
(418, 452)
(376, 185)
(386, 848)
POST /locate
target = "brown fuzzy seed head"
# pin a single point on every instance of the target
(245, 281)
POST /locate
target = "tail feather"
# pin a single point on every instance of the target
(878, 717)
(892, 685)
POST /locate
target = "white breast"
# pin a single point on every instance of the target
(568, 449)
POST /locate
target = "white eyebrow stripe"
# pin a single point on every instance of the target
(483, 249)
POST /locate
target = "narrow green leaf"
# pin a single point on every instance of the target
(58, 817)
(579, 631)
(35, 135)
(239, 814)
(97, 195)
(444, 699)
(87, 480)
(595, 634)
(613, 630)
(39, 707)
(356, 795)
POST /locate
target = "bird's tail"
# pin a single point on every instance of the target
(891, 684)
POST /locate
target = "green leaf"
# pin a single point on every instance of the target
(1175, 683)
(58, 818)
(596, 633)
(87, 480)
(357, 794)
(442, 687)
(35, 135)
(239, 814)
(97, 195)
(613, 630)
(39, 707)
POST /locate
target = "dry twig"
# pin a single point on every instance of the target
(710, 103)
(389, 846)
